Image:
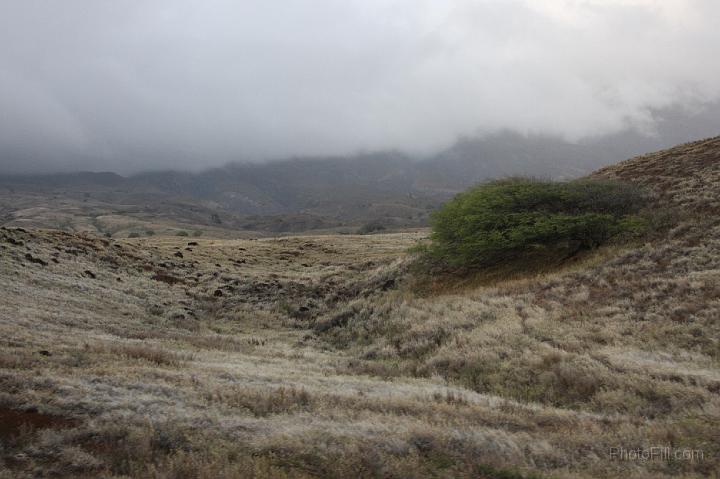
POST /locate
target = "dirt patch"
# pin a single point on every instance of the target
(12, 422)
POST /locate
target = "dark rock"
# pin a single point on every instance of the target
(44, 353)
(89, 274)
(166, 278)
(192, 243)
(217, 293)
(13, 241)
(178, 254)
(111, 260)
(32, 259)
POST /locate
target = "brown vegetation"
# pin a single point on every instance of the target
(320, 358)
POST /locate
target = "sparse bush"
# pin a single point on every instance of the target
(372, 227)
(197, 233)
(522, 219)
(182, 233)
(134, 234)
(149, 233)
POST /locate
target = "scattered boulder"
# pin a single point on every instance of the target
(218, 293)
(89, 274)
(178, 254)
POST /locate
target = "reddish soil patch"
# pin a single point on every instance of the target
(13, 421)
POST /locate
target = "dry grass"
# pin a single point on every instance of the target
(316, 357)
(144, 352)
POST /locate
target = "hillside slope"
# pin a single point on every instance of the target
(686, 176)
(315, 357)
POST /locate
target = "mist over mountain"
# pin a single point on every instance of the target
(468, 160)
(392, 188)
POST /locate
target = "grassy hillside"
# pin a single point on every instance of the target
(318, 357)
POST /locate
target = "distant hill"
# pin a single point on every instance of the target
(339, 193)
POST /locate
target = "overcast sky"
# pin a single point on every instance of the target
(136, 84)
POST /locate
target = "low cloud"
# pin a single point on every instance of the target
(147, 84)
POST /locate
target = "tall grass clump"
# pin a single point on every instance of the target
(520, 219)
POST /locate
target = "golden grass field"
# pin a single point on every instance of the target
(323, 356)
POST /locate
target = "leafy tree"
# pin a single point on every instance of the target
(519, 218)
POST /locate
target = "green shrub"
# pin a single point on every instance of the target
(518, 219)
(182, 233)
(197, 233)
